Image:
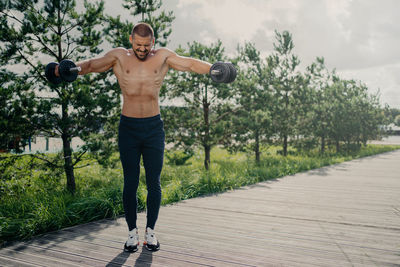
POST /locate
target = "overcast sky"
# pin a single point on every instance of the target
(360, 38)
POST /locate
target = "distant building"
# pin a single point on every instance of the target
(392, 129)
(49, 145)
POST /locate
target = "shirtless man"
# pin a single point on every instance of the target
(140, 72)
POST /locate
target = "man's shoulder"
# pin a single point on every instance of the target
(164, 51)
(118, 51)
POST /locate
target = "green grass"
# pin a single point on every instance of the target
(33, 199)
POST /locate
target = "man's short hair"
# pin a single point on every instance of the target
(143, 30)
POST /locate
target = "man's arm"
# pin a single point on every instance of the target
(187, 64)
(100, 64)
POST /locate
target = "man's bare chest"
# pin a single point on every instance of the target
(151, 67)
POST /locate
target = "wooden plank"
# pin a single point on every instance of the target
(34, 258)
(11, 262)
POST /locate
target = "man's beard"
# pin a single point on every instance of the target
(146, 52)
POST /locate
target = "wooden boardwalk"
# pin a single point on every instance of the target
(344, 215)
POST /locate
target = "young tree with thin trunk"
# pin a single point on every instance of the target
(206, 104)
(288, 80)
(251, 125)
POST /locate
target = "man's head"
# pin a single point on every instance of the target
(142, 40)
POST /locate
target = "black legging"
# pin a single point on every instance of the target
(137, 137)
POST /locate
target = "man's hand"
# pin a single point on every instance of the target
(56, 71)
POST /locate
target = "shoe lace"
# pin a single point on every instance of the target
(133, 237)
(151, 238)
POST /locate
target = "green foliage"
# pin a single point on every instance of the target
(391, 114)
(178, 158)
(397, 120)
(34, 200)
(355, 115)
(117, 31)
(17, 120)
(251, 123)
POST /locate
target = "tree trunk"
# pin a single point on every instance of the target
(69, 169)
(285, 137)
(257, 148)
(207, 158)
(207, 146)
(323, 144)
(66, 138)
(337, 146)
(285, 145)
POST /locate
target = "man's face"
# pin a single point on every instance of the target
(141, 46)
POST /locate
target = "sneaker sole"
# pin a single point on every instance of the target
(152, 247)
(131, 250)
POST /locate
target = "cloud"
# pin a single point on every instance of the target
(381, 79)
(188, 25)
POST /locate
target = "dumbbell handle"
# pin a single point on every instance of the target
(215, 72)
(75, 69)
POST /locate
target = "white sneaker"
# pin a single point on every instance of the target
(131, 245)
(150, 240)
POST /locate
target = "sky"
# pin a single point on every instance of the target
(358, 38)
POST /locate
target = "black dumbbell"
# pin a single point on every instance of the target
(50, 73)
(233, 72)
(67, 69)
(223, 72)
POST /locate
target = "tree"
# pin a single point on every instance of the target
(355, 115)
(53, 30)
(391, 114)
(252, 124)
(371, 116)
(206, 104)
(288, 82)
(319, 117)
(340, 113)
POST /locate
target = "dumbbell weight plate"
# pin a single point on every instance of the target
(64, 70)
(232, 72)
(50, 73)
(224, 74)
